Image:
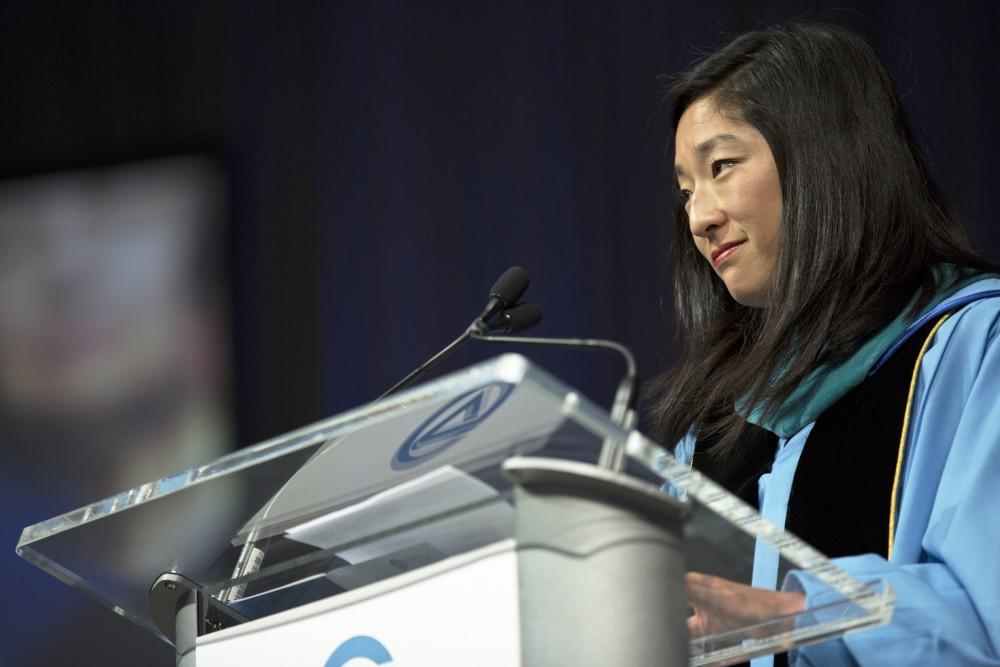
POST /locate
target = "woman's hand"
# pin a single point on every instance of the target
(720, 605)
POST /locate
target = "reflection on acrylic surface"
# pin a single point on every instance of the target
(113, 335)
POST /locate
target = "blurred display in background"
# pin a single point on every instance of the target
(114, 364)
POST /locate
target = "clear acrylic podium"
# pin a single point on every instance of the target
(460, 522)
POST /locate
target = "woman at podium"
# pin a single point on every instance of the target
(840, 368)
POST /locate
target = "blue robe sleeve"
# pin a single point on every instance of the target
(945, 564)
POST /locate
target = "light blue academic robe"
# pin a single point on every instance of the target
(945, 563)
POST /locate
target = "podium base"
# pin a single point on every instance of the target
(601, 567)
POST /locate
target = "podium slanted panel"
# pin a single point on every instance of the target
(442, 525)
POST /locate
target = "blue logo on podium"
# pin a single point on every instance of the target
(359, 647)
(451, 423)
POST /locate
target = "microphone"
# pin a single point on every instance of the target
(503, 316)
(505, 292)
(518, 318)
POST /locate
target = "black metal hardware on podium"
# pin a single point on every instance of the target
(183, 612)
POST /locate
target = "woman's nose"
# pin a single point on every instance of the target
(704, 213)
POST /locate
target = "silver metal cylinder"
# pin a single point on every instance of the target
(601, 567)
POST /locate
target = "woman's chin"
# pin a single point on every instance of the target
(751, 298)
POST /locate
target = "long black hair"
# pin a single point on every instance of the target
(861, 224)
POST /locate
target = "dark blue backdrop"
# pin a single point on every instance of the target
(389, 159)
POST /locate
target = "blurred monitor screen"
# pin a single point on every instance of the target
(114, 351)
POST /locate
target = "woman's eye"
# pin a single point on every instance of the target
(684, 194)
(719, 165)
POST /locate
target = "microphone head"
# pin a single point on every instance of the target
(520, 317)
(510, 286)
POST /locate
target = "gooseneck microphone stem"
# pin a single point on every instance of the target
(426, 366)
(503, 295)
(504, 315)
(623, 410)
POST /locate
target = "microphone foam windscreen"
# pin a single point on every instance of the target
(511, 285)
(522, 316)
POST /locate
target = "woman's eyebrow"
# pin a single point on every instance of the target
(707, 146)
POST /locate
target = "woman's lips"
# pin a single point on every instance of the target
(724, 252)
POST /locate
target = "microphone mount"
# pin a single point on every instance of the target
(503, 316)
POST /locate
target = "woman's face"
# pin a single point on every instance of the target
(732, 196)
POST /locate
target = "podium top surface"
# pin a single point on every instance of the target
(400, 483)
